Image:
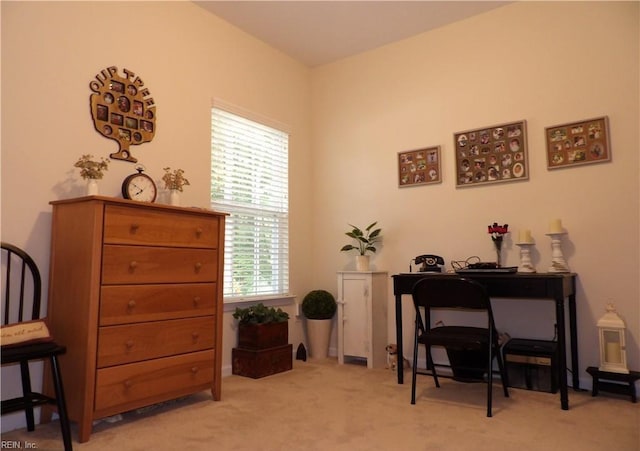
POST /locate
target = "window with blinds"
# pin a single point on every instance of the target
(249, 180)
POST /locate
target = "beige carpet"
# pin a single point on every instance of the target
(321, 405)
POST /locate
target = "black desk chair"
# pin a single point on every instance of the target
(454, 293)
(21, 312)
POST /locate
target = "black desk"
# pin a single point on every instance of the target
(545, 286)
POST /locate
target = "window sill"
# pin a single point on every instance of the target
(230, 304)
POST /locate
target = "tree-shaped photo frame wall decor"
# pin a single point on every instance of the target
(123, 110)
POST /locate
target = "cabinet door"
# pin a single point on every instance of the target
(356, 297)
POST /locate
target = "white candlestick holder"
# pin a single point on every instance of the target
(558, 264)
(525, 258)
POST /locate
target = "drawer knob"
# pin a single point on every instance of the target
(196, 300)
(131, 304)
(195, 335)
(134, 227)
(199, 232)
(194, 369)
(198, 266)
(128, 384)
(129, 344)
(133, 265)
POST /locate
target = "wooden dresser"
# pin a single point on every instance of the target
(135, 293)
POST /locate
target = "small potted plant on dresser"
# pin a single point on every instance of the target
(319, 307)
(263, 342)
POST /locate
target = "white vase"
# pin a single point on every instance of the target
(319, 334)
(92, 187)
(174, 197)
(362, 263)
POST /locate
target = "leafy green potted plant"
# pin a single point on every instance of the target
(365, 242)
(319, 307)
(262, 327)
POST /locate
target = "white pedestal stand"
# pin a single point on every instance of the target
(525, 258)
(558, 264)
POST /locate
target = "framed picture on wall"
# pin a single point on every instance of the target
(491, 154)
(419, 167)
(578, 143)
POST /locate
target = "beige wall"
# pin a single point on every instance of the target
(186, 57)
(547, 63)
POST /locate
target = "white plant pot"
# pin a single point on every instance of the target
(174, 197)
(92, 187)
(319, 334)
(362, 263)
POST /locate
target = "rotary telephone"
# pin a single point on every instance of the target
(430, 263)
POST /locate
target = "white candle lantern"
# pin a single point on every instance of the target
(613, 354)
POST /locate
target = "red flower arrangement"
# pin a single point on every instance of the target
(497, 233)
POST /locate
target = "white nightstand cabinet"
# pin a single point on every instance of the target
(362, 316)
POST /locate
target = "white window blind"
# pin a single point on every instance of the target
(249, 180)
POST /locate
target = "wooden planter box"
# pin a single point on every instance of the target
(263, 336)
(260, 363)
(263, 350)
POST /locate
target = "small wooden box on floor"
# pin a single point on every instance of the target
(256, 363)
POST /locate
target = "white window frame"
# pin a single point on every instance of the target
(280, 212)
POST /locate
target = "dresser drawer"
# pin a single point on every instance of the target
(127, 387)
(122, 304)
(142, 264)
(135, 342)
(130, 225)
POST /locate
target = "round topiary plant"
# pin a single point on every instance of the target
(319, 304)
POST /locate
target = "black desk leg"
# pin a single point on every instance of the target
(562, 354)
(573, 330)
(400, 367)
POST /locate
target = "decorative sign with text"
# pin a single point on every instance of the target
(122, 110)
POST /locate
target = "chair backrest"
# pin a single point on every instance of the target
(21, 286)
(451, 292)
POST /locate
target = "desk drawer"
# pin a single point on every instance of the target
(516, 288)
(127, 387)
(142, 264)
(135, 342)
(130, 225)
(122, 304)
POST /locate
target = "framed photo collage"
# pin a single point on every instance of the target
(419, 167)
(499, 153)
(578, 143)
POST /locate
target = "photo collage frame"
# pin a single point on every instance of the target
(499, 153)
(492, 154)
(577, 143)
(419, 167)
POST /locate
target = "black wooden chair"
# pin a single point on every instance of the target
(21, 289)
(462, 342)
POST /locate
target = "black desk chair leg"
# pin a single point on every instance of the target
(414, 367)
(503, 374)
(490, 382)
